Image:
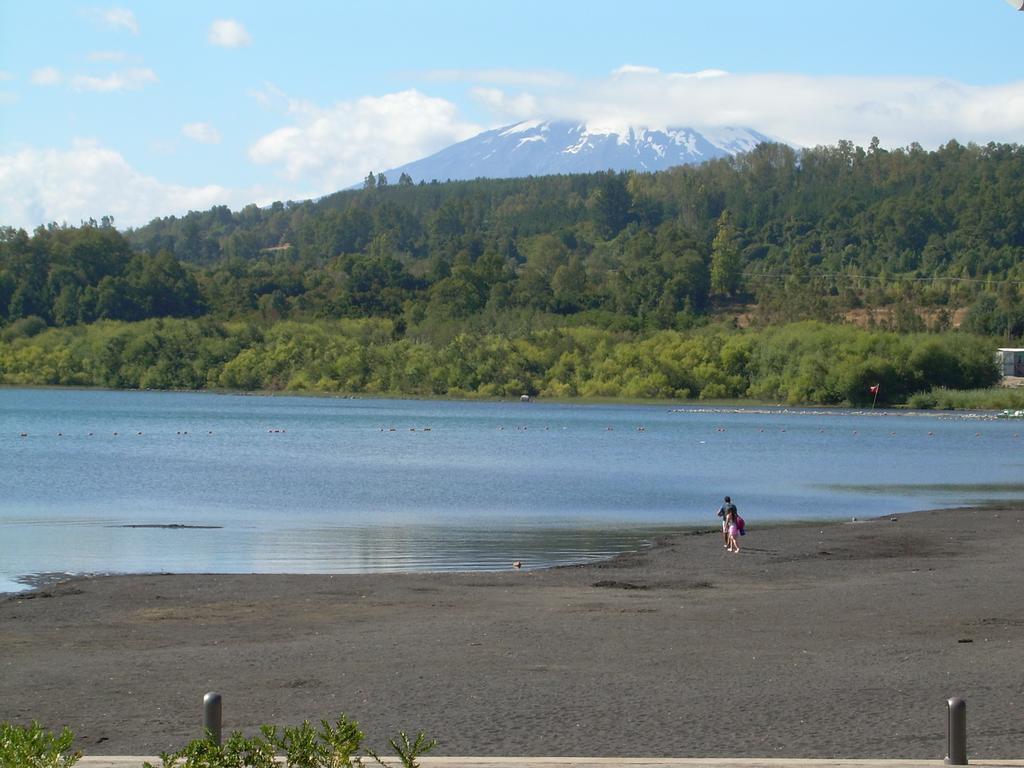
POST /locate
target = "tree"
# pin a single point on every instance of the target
(162, 287)
(65, 306)
(457, 296)
(370, 182)
(612, 205)
(726, 261)
(569, 284)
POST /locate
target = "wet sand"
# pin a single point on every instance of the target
(836, 640)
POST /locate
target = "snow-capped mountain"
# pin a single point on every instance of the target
(539, 148)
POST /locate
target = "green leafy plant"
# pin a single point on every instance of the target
(333, 746)
(237, 752)
(35, 747)
(303, 746)
(408, 751)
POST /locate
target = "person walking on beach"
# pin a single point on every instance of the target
(732, 530)
(723, 513)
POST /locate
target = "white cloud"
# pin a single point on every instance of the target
(702, 74)
(520, 107)
(337, 146)
(38, 186)
(123, 80)
(119, 18)
(204, 133)
(46, 76)
(126, 80)
(320, 149)
(635, 69)
(800, 109)
(5, 75)
(269, 96)
(228, 33)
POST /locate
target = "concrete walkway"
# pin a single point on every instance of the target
(610, 762)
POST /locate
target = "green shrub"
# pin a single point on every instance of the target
(303, 746)
(25, 328)
(407, 751)
(807, 362)
(993, 399)
(330, 747)
(35, 747)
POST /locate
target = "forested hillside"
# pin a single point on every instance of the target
(903, 238)
(795, 236)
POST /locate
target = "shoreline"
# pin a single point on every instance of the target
(673, 405)
(818, 640)
(41, 581)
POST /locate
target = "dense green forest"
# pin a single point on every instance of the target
(511, 276)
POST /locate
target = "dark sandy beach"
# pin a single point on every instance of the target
(837, 640)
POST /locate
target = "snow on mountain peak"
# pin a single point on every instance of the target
(541, 147)
(526, 125)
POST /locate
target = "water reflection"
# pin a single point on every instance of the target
(339, 486)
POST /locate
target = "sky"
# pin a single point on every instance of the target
(139, 110)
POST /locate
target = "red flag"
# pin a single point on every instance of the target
(873, 390)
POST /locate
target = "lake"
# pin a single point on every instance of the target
(132, 482)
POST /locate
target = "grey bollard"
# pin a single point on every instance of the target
(212, 717)
(956, 732)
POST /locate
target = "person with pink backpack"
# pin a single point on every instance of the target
(732, 525)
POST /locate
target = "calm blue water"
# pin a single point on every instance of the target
(308, 485)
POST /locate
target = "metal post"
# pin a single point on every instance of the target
(212, 717)
(956, 732)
